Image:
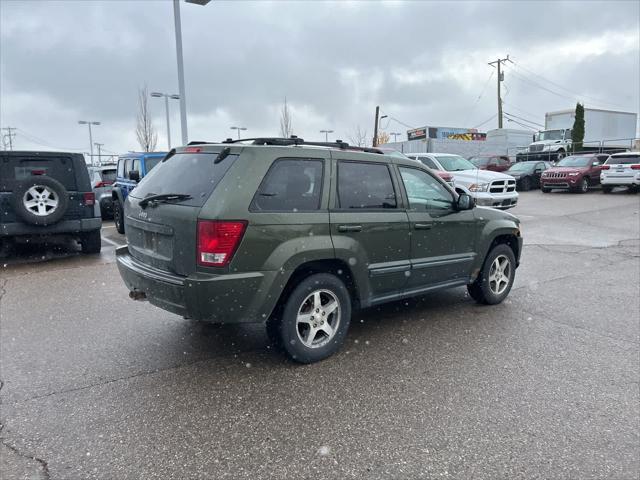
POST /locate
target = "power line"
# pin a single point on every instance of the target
(524, 119)
(8, 135)
(487, 120)
(573, 93)
(475, 104)
(44, 143)
(509, 119)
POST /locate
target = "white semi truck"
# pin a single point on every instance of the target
(604, 130)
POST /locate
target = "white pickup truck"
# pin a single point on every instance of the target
(490, 189)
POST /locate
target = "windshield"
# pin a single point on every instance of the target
(623, 160)
(522, 167)
(479, 161)
(455, 163)
(550, 135)
(575, 162)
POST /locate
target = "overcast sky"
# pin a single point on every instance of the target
(424, 63)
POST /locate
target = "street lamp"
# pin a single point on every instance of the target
(183, 95)
(326, 134)
(166, 109)
(89, 123)
(395, 135)
(238, 129)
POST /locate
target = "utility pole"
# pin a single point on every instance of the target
(375, 127)
(499, 62)
(10, 135)
(99, 145)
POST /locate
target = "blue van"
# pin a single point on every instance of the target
(132, 167)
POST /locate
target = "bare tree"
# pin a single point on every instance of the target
(146, 133)
(286, 128)
(383, 137)
(358, 137)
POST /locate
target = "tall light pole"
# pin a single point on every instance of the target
(326, 134)
(89, 123)
(238, 129)
(166, 111)
(183, 95)
(395, 135)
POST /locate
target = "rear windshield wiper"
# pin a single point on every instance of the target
(163, 197)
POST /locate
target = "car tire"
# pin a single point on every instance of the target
(493, 285)
(525, 184)
(584, 185)
(606, 189)
(91, 242)
(118, 216)
(306, 329)
(27, 202)
(560, 155)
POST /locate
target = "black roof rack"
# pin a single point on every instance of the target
(296, 141)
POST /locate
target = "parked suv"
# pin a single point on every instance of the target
(47, 193)
(102, 180)
(495, 163)
(621, 170)
(300, 234)
(131, 168)
(490, 189)
(575, 173)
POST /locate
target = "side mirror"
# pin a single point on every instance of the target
(465, 202)
(134, 175)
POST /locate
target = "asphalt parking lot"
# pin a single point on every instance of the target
(545, 385)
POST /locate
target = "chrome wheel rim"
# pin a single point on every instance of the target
(40, 200)
(318, 318)
(585, 185)
(499, 274)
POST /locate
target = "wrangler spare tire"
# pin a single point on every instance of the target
(40, 200)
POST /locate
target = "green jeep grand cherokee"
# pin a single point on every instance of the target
(298, 234)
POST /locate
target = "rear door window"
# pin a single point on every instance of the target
(149, 163)
(108, 176)
(428, 162)
(18, 169)
(365, 186)
(290, 185)
(193, 174)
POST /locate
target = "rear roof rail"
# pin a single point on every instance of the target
(297, 141)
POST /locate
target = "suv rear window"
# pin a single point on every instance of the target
(108, 175)
(193, 174)
(623, 159)
(149, 163)
(365, 185)
(16, 169)
(291, 184)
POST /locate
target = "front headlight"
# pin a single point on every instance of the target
(478, 187)
(573, 174)
(544, 174)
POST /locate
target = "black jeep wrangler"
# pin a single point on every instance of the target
(47, 193)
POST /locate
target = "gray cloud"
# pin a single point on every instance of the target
(423, 62)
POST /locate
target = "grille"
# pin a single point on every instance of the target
(556, 175)
(536, 148)
(502, 186)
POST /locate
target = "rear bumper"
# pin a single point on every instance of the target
(65, 226)
(622, 181)
(230, 298)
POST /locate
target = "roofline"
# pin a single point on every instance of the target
(572, 110)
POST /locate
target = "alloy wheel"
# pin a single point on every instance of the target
(40, 200)
(318, 318)
(500, 274)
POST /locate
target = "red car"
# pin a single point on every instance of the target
(575, 173)
(495, 163)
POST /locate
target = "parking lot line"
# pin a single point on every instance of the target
(111, 242)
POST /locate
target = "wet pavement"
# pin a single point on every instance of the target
(545, 385)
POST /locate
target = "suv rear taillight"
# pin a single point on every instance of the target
(218, 241)
(103, 184)
(605, 167)
(89, 198)
(635, 167)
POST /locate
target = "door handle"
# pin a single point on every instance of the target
(350, 228)
(422, 226)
